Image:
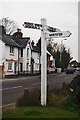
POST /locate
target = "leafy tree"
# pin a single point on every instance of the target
(65, 58)
(55, 51)
(9, 25)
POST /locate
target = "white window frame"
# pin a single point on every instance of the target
(10, 66)
(11, 49)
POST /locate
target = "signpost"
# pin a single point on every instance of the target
(53, 33)
(43, 63)
(32, 25)
(39, 27)
(60, 34)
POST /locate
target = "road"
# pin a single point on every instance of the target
(13, 89)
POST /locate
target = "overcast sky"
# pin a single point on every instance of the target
(62, 15)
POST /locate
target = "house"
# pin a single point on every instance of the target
(8, 54)
(24, 47)
(35, 58)
(18, 54)
(50, 57)
(30, 54)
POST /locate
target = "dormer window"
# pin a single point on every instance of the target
(11, 49)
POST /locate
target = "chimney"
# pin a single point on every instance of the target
(18, 30)
(18, 34)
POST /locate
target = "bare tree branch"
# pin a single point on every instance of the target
(9, 25)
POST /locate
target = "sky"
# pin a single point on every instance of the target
(62, 15)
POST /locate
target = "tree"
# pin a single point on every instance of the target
(9, 25)
(49, 46)
(55, 51)
(65, 57)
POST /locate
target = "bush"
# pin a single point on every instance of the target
(30, 97)
(56, 98)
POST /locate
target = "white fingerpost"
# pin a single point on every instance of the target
(43, 63)
(44, 36)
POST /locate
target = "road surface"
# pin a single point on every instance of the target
(13, 89)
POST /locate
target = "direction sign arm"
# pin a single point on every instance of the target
(60, 34)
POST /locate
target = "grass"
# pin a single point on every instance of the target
(39, 112)
(59, 105)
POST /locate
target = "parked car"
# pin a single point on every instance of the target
(77, 71)
(70, 69)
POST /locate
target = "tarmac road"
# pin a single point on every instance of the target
(12, 89)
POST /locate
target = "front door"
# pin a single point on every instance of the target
(21, 67)
(15, 67)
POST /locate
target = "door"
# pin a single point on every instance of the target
(15, 67)
(21, 67)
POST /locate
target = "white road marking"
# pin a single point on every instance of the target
(36, 84)
(61, 75)
(11, 88)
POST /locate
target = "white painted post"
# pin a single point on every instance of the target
(43, 64)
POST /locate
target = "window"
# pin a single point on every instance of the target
(27, 66)
(21, 52)
(27, 52)
(9, 66)
(11, 49)
(37, 65)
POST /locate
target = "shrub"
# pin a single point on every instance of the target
(30, 97)
(56, 98)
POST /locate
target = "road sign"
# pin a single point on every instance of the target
(32, 25)
(51, 29)
(53, 33)
(59, 34)
(39, 27)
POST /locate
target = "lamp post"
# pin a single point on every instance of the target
(61, 48)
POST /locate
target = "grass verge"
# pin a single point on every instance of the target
(39, 112)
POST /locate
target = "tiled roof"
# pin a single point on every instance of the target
(8, 41)
(22, 42)
(11, 41)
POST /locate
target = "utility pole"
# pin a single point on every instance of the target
(43, 63)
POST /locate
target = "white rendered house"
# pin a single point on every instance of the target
(8, 55)
(17, 54)
(29, 55)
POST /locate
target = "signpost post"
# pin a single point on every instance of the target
(43, 63)
(46, 32)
